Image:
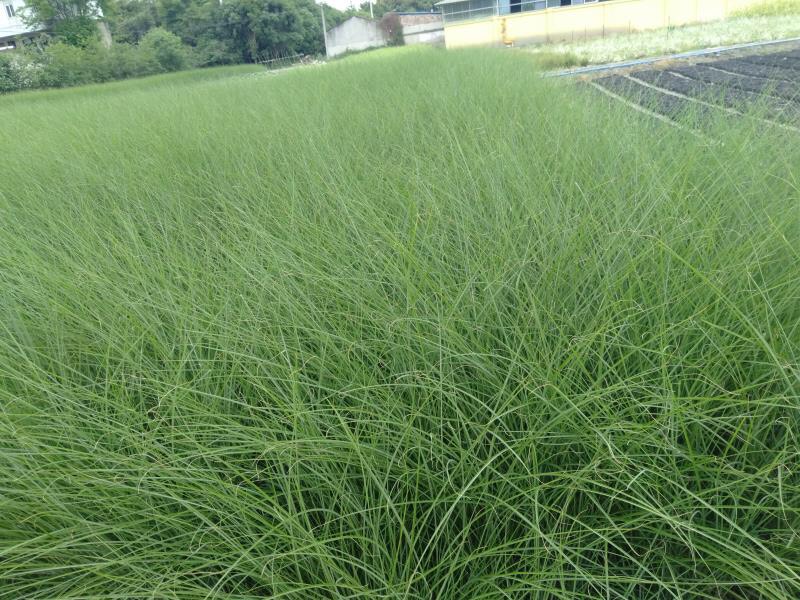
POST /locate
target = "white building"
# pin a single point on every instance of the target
(11, 25)
(357, 33)
(353, 35)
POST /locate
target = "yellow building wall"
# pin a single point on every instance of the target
(485, 32)
(585, 21)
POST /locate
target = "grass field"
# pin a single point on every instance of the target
(773, 21)
(415, 324)
(771, 8)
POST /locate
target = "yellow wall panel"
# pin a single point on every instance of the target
(476, 33)
(588, 20)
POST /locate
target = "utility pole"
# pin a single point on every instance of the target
(371, 16)
(324, 29)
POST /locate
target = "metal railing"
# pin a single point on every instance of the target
(279, 62)
(478, 9)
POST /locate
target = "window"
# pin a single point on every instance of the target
(10, 10)
(460, 10)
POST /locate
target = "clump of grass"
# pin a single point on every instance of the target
(550, 61)
(321, 335)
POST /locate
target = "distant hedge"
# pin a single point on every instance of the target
(61, 65)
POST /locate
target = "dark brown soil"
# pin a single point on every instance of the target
(741, 67)
(650, 99)
(766, 86)
(759, 85)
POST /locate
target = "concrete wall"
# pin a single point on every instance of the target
(433, 38)
(410, 20)
(354, 34)
(588, 20)
(428, 30)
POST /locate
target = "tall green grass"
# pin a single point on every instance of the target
(421, 325)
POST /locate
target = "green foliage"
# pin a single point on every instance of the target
(67, 65)
(549, 61)
(59, 64)
(381, 7)
(216, 33)
(210, 51)
(480, 335)
(191, 20)
(8, 74)
(17, 72)
(232, 31)
(166, 48)
(125, 60)
(270, 29)
(133, 19)
(50, 12)
(334, 17)
(76, 31)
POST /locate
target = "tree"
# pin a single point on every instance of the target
(166, 48)
(176, 15)
(258, 29)
(73, 21)
(381, 7)
(132, 19)
(49, 12)
(224, 32)
(77, 31)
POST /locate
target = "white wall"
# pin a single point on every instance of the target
(11, 27)
(424, 33)
(434, 38)
(354, 34)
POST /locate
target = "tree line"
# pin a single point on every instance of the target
(90, 41)
(215, 31)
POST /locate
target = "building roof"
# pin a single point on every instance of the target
(451, 2)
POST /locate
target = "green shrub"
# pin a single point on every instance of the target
(80, 31)
(166, 48)
(77, 57)
(8, 74)
(209, 52)
(125, 60)
(61, 64)
(550, 61)
(18, 71)
(65, 65)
